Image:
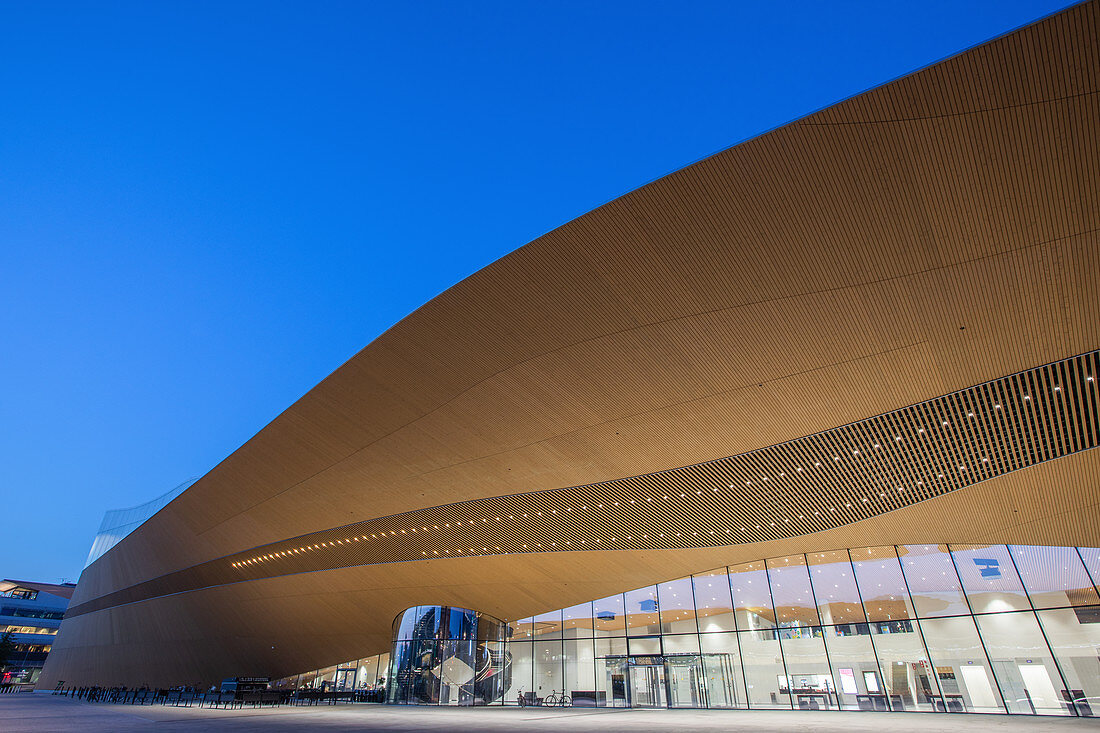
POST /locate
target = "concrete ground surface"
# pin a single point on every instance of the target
(42, 713)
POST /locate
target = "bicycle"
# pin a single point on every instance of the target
(556, 700)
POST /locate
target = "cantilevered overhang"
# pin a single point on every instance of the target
(915, 242)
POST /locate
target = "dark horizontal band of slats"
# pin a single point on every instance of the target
(806, 485)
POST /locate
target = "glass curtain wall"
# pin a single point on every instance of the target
(968, 628)
(931, 628)
(448, 656)
(366, 676)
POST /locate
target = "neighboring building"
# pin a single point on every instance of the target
(33, 613)
(811, 423)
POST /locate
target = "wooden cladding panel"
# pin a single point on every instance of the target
(808, 485)
(316, 619)
(832, 262)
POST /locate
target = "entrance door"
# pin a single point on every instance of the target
(344, 679)
(720, 681)
(647, 686)
(685, 682)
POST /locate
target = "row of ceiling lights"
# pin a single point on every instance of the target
(257, 559)
(347, 542)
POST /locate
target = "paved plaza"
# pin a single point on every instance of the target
(42, 713)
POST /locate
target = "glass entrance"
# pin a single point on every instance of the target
(684, 676)
(675, 681)
(344, 679)
(647, 686)
(721, 681)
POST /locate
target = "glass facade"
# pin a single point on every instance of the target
(366, 677)
(930, 628)
(968, 628)
(118, 523)
(453, 656)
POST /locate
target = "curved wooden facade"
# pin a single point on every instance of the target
(875, 266)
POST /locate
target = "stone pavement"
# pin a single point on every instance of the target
(45, 713)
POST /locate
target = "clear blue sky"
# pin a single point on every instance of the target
(206, 207)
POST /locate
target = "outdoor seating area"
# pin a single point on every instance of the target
(186, 697)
